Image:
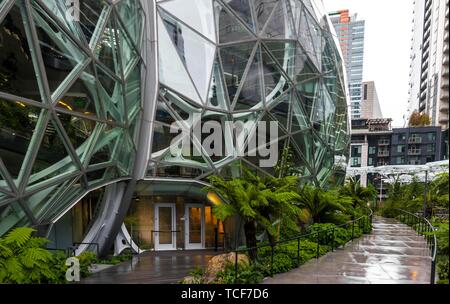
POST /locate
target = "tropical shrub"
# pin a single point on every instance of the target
(358, 194)
(125, 256)
(442, 267)
(322, 205)
(24, 260)
(196, 276)
(246, 274)
(266, 202)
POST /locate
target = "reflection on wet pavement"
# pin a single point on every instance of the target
(392, 254)
(152, 268)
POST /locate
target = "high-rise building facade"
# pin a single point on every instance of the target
(370, 105)
(350, 32)
(88, 110)
(429, 69)
(375, 143)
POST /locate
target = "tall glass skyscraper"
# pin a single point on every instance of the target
(350, 32)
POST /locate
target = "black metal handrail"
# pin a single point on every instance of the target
(423, 227)
(361, 221)
(76, 245)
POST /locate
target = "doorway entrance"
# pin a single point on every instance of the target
(194, 226)
(164, 233)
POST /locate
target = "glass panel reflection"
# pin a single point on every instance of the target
(165, 225)
(195, 225)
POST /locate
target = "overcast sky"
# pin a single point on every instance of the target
(387, 49)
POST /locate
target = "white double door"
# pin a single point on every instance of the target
(165, 229)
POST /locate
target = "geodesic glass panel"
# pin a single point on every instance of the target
(228, 26)
(131, 15)
(17, 124)
(60, 54)
(195, 52)
(17, 67)
(62, 105)
(198, 15)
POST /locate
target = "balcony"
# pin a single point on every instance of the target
(415, 140)
(414, 152)
(384, 142)
(414, 162)
(444, 106)
(445, 96)
(443, 119)
(383, 154)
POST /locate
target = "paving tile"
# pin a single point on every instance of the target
(393, 254)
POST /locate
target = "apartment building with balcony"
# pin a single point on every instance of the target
(375, 143)
(429, 74)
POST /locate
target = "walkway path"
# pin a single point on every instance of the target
(152, 268)
(392, 254)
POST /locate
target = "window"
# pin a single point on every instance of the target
(431, 148)
(365, 92)
(402, 136)
(356, 150)
(414, 161)
(400, 160)
(370, 162)
(430, 159)
(401, 149)
(372, 150)
(431, 136)
(356, 161)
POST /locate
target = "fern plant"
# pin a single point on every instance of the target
(23, 258)
(266, 202)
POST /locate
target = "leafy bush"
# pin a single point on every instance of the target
(342, 234)
(282, 262)
(442, 230)
(116, 259)
(442, 267)
(247, 274)
(23, 258)
(86, 260)
(197, 276)
(308, 251)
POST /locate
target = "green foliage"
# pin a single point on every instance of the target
(442, 237)
(23, 258)
(358, 195)
(442, 267)
(341, 235)
(126, 256)
(269, 202)
(282, 262)
(86, 260)
(410, 197)
(320, 204)
(197, 275)
(246, 274)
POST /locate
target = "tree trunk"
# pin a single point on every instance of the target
(250, 238)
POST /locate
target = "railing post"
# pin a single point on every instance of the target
(298, 252)
(235, 266)
(332, 242)
(433, 271)
(318, 244)
(216, 239)
(353, 230)
(271, 262)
